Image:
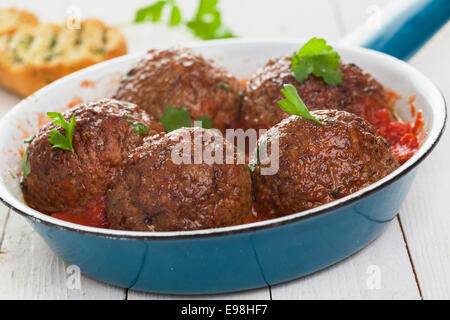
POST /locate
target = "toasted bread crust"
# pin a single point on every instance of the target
(35, 56)
(11, 19)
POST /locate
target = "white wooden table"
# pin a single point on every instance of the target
(412, 256)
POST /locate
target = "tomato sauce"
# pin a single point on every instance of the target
(93, 215)
(403, 137)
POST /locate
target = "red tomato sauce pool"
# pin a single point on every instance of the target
(403, 137)
(93, 215)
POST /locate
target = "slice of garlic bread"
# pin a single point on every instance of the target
(32, 57)
(11, 19)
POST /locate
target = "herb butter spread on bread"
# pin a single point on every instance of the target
(34, 56)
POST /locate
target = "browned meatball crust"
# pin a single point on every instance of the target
(102, 139)
(182, 78)
(320, 163)
(260, 108)
(153, 193)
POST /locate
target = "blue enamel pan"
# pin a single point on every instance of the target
(252, 255)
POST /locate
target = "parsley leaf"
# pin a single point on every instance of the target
(30, 139)
(207, 22)
(223, 86)
(318, 58)
(140, 128)
(294, 104)
(174, 119)
(56, 138)
(154, 12)
(26, 166)
(175, 16)
(151, 13)
(206, 122)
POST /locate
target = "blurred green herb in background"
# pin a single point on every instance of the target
(206, 23)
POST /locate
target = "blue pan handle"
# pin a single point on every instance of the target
(405, 27)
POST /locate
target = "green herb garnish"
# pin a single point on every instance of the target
(98, 51)
(53, 42)
(206, 24)
(293, 104)
(174, 119)
(56, 138)
(51, 55)
(139, 128)
(223, 86)
(124, 78)
(26, 166)
(175, 16)
(11, 174)
(17, 58)
(116, 202)
(206, 122)
(30, 139)
(336, 192)
(27, 41)
(152, 13)
(318, 58)
(78, 41)
(105, 36)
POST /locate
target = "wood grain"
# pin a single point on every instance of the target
(425, 214)
(353, 278)
(258, 294)
(30, 270)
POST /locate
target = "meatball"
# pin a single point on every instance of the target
(104, 135)
(157, 193)
(182, 78)
(318, 163)
(261, 111)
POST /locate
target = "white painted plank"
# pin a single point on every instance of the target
(258, 294)
(29, 270)
(4, 214)
(386, 257)
(426, 213)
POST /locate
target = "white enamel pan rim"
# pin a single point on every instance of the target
(433, 135)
